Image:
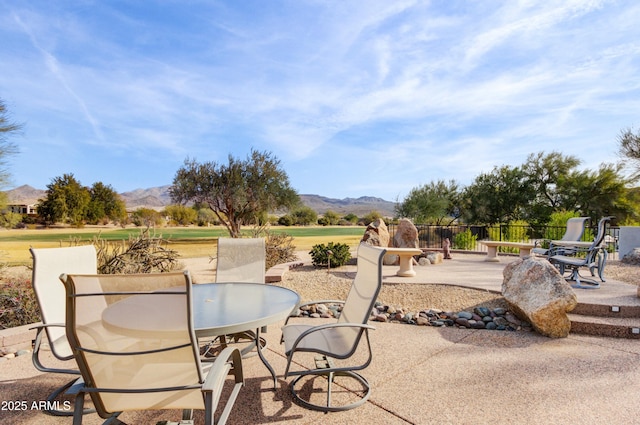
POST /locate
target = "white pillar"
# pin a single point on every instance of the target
(629, 239)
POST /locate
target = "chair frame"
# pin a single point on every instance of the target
(77, 259)
(229, 361)
(594, 257)
(324, 363)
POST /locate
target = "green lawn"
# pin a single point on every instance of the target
(188, 241)
(172, 233)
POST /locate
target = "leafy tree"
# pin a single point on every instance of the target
(237, 192)
(7, 148)
(432, 203)
(66, 201)
(600, 193)
(549, 177)
(105, 204)
(181, 215)
(497, 197)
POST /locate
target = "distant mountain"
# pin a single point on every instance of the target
(154, 198)
(358, 206)
(25, 194)
(158, 197)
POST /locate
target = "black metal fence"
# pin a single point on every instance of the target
(466, 237)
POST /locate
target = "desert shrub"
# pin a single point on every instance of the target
(10, 220)
(145, 253)
(515, 231)
(146, 217)
(371, 217)
(287, 220)
(465, 240)
(330, 255)
(279, 249)
(18, 305)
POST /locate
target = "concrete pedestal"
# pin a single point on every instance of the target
(629, 239)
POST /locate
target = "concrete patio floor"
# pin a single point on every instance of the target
(424, 375)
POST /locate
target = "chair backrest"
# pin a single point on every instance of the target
(575, 229)
(123, 366)
(48, 265)
(241, 260)
(364, 290)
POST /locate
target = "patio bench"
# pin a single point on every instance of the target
(492, 248)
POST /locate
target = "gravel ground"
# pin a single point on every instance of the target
(318, 284)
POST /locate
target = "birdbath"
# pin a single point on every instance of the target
(406, 260)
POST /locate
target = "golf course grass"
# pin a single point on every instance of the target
(189, 242)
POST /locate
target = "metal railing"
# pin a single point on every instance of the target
(467, 237)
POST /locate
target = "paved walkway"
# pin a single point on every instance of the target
(427, 375)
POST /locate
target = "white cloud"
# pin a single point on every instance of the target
(428, 90)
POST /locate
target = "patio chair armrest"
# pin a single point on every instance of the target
(35, 355)
(309, 331)
(229, 359)
(41, 326)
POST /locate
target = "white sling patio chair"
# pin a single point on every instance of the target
(240, 260)
(594, 257)
(134, 361)
(339, 340)
(575, 229)
(48, 264)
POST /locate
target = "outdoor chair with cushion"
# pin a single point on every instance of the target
(333, 344)
(592, 257)
(239, 260)
(575, 229)
(48, 264)
(129, 361)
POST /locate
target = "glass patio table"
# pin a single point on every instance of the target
(218, 309)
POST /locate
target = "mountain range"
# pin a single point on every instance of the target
(158, 197)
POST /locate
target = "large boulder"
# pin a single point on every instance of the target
(538, 293)
(406, 235)
(376, 234)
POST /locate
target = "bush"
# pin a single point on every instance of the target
(330, 255)
(286, 220)
(18, 305)
(465, 240)
(142, 254)
(279, 249)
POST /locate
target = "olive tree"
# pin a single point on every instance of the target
(239, 192)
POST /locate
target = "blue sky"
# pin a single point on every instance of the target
(356, 98)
